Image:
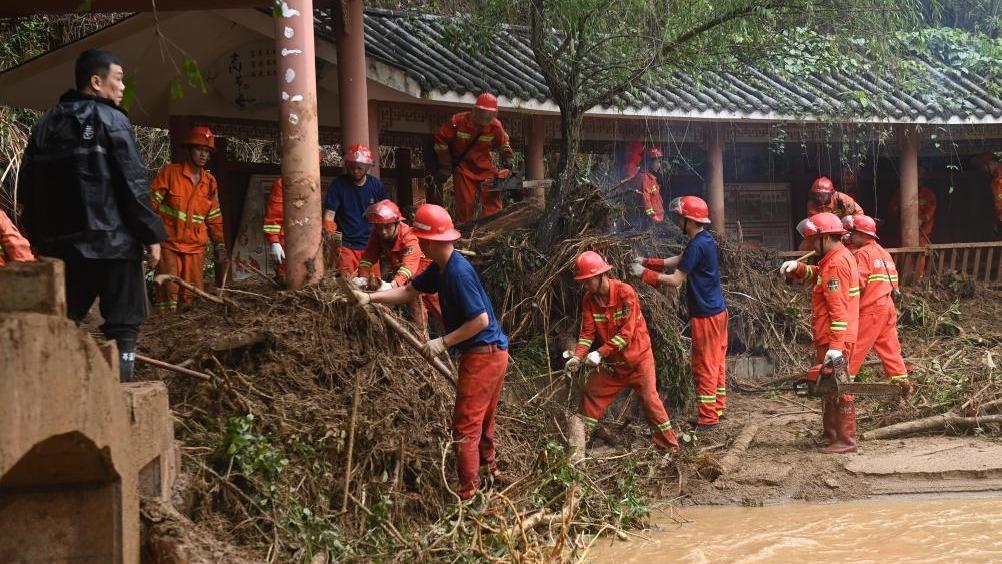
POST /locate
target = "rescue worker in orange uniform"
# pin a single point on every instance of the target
(646, 184)
(463, 149)
(187, 198)
(698, 265)
(612, 320)
(274, 223)
(834, 318)
(347, 199)
(926, 209)
(990, 164)
(13, 246)
(824, 198)
(396, 241)
(473, 329)
(878, 317)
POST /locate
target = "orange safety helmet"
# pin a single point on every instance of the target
(690, 207)
(383, 211)
(823, 185)
(589, 264)
(862, 223)
(201, 136)
(821, 224)
(487, 102)
(434, 223)
(359, 154)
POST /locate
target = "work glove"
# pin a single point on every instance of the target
(220, 252)
(833, 356)
(434, 347)
(789, 267)
(572, 364)
(637, 269)
(593, 359)
(361, 297)
(508, 164)
(443, 174)
(385, 286)
(278, 253)
(359, 282)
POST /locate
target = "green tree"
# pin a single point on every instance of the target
(590, 52)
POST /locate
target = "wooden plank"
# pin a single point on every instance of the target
(988, 264)
(942, 260)
(953, 260)
(977, 263)
(964, 254)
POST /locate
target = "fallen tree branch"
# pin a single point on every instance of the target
(939, 422)
(173, 367)
(730, 461)
(161, 279)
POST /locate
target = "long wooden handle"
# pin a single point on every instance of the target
(807, 256)
(172, 367)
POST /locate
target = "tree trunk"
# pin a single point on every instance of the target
(560, 213)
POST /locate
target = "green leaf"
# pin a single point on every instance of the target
(193, 74)
(176, 91)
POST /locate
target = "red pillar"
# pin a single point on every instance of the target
(908, 167)
(373, 133)
(297, 118)
(535, 164)
(350, 35)
(715, 177)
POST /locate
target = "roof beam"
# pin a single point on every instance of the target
(15, 8)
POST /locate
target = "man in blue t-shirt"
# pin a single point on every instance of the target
(472, 328)
(348, 196)
(699, 266)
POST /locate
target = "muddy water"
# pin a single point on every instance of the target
(875, 531)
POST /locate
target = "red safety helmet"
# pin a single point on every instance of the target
(821, 224)
(487, 101)
(434, 223)
(823, 185)
(589, 264)
(359, 154)
(862, 223)
(690, 207)
(383, 211)
(654, 153)
(201, 136)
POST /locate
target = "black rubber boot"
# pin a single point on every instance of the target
(126, 359)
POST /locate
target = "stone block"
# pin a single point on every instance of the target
(151, 437)
(33, 287)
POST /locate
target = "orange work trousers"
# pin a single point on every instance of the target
(478, 389)
(348, 260)
(467, 188)
(187, 267)
(603, 386)
(709, 366)
(878, 330)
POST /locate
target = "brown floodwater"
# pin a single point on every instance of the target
(882, 531)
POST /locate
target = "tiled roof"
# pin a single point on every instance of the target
(415, 45)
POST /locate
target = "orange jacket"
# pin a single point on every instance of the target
(997, 192)
(274, 217)
(190, 213)
(840, 205)
(404, 255)
(650, 193)
(619, 326)
(877, 275)
(13, 246)
(835, 298)
(926, 211)
(455, 134)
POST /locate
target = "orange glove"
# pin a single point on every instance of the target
(657, 264)
(329, 226)
(650, 278)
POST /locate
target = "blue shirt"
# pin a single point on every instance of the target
(349, 202)
(699, 262)
(463, 298)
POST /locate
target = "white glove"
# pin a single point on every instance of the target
(636, 269)
(788, 267)
(278, 253)
(360, 281)
(593, 359)
(434, 347)
(572, 364)
(833, 356)
(385, 286)
(361, 297)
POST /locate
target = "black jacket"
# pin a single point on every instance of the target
(83, 187)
